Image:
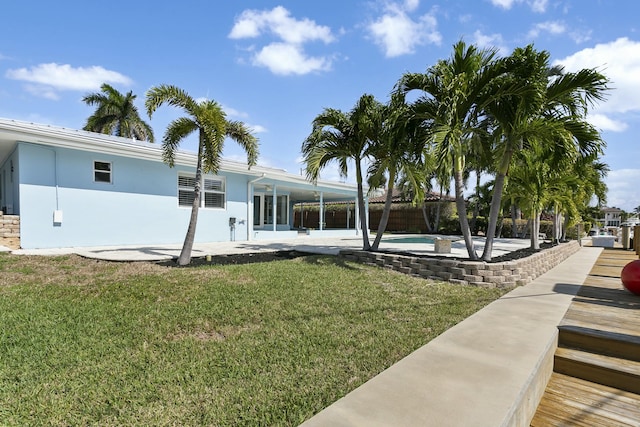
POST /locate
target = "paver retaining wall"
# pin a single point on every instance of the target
(10, 230)
(506, 274)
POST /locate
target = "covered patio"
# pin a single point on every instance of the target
(271, 202)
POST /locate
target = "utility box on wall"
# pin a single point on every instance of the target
(57, 217)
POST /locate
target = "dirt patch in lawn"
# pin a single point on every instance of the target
(245, 258)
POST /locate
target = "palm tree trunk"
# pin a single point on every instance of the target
(426, 216)
(496, 203)
(462, 209)
(187, 246)
(436, 226)
(535, 230)
(384, 219)
(476, 205)
(514, 226)
(361, 209)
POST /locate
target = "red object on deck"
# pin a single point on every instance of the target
(631, 276)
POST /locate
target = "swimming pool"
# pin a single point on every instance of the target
(409, 239)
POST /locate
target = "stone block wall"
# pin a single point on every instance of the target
(10, 231)
(506, 274)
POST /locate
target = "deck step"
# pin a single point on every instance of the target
(608, 343)
(574, 402)
(606, 370)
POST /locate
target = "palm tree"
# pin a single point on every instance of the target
(398, 150)
(590, 183)
(551, 107)
(415, 181)
(480, 161)
(209, 120)
(542, 180)
(456, 91)
(343, 137)
(116, 115)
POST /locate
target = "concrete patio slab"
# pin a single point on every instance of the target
(318, 245)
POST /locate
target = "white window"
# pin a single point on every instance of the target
(212, 191)
(186, 185)
(102, 172)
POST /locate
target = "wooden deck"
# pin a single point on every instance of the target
(596, 379)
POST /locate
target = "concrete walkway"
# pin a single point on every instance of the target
(489, 370)
(319, 245)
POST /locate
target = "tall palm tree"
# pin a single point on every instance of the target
(480, 162)
(116, 115)
(542, 180)
(456, 91)
(209, 120)
(342, 137)
(398, 149)
(552, 106)
(590, 183)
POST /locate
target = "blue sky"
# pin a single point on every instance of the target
(276, 65)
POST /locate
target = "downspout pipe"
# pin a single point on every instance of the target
(250, 204)
(55, 169)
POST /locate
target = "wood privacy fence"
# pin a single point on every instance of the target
(408, 219)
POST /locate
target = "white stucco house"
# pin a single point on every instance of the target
(76, 188)
(612, 217)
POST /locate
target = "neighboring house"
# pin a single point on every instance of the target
(612, 217)
(632, 221)
(77, 188)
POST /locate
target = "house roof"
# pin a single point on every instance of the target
(399, 197)
(611, 210)
(12, 131)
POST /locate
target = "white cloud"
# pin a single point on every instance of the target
(398, 34)
(551, 27)
(42, 91)
(620, 62)
(66, 77)
(580, 36)
(46, 80)
(411, 5)
(257, 128)
(505, 4)
(537, 6)
(253, 23)
(622, 187)
(286, 59)
(233, 113)
(604, 123)
(490, 41)
(286, 56)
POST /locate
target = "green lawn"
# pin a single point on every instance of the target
(84, 342)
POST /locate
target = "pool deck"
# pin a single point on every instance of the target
(316, 245)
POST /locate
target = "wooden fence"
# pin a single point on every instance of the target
(403, 220)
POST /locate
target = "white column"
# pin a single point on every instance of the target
(348, 218)
(366, 210)
(357, 217)
(275, 208)
(321, 216)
